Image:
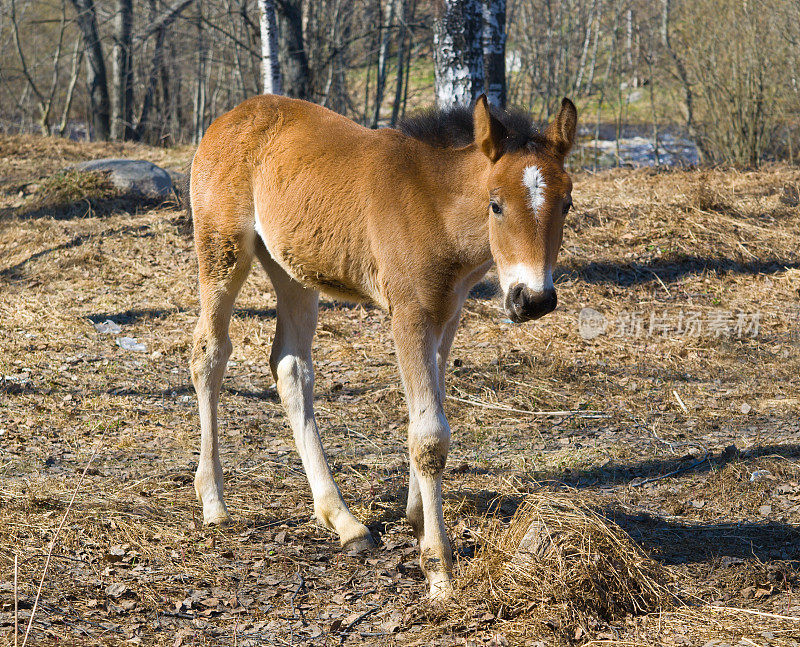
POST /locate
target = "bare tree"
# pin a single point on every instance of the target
(44, 99)
(77, 58)
(291, 48)
(159, 24)
(389, 10)
(403, 49)
(96, 80)
(680, 68)
(201, 85)
(122, 76)
(493, 42)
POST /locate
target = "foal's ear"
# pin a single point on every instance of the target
(489, 132)
(561, 132)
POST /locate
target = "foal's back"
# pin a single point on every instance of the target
(333, 202)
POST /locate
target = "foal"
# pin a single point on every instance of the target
(409, 220)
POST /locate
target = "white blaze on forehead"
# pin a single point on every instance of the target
(535, 279)
(533, 180)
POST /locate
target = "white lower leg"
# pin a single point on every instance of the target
(436, 556)
(208, 367)
(296, 386)
(414, 505)
(429, 440)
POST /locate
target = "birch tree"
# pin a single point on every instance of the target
(469, 51)
(270, 66)
(458, 52)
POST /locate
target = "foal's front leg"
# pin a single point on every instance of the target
(428, 442)
(414, 503)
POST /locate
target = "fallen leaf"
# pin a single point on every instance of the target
(763, 593)
(116, 590)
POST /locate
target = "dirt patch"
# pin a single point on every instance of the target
(640, 419)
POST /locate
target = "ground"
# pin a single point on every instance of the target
(679, 421)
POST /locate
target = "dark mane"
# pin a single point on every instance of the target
(453, 128)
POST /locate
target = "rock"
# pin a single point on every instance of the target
(535, 544)
(133, 177)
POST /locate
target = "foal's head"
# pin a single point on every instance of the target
(527, 198)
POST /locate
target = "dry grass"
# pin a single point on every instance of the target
(133, 563)
(71, 194)
(560, 564)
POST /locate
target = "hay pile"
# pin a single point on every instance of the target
(562, 564)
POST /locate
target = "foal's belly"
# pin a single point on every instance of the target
(322, 258)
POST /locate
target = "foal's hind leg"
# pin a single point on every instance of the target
(224, 262)
(291, 366)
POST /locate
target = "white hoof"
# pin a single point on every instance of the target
(216, 514)
(441, 588)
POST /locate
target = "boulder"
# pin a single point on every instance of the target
(133, 177)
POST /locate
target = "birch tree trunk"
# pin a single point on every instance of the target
(457, 52)
(493, 41)
(270, 67)
(122, 73)
(585, 49)
(96, 80)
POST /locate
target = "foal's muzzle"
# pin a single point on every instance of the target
(524, 304)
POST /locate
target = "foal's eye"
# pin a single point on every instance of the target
(496, 208)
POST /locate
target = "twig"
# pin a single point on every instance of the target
(680, 402)
(500, 407)
(349, 627)
(16, 602)
(658, 278)
(53, 544)
(301, 585)
(764, 614)
(685, 468)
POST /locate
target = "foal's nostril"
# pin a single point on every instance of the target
(523, 304)
(517, 294)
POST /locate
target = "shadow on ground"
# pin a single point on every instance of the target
(669, 269)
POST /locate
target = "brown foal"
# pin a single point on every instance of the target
(409, 219)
